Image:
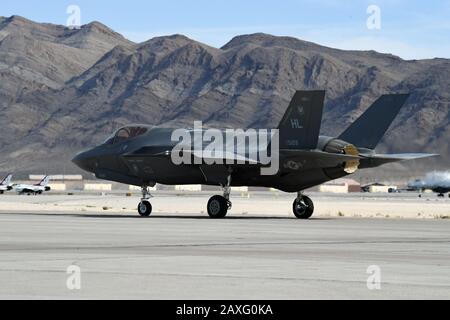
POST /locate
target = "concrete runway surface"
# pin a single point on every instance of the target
(189, 257)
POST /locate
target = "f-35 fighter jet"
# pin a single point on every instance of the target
(143, 155)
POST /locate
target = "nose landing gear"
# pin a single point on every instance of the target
(303, 207)
(145, 207)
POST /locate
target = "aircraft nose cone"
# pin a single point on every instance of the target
(84, 161)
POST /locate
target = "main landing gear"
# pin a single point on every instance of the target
(145, 207)
(218, 206)
(303, 207)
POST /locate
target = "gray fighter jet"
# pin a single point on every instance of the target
(438, 182)
(142, 155)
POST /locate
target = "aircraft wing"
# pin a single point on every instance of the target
(224, 157)
(305, 158)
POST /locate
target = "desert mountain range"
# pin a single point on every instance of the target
(63, 90)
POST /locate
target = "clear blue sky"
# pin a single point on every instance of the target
(410, 29)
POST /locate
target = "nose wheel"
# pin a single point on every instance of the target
(145, 207)
(303, 207)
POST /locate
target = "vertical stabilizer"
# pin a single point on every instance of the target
(300, 126)
(369, 129)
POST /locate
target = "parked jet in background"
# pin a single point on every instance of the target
(141, 155)
(38, 188)
(6, 184)
(438, 182)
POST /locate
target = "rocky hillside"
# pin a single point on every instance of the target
(63, 90)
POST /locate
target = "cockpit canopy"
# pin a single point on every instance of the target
(126, 133)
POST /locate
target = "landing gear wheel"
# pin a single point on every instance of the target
(218, 207)
(145, 209)
(303, 208)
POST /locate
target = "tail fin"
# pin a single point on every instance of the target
(300, 126)
(6, 181)
(369, 129)
(44, 182)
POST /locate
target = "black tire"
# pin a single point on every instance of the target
(217, 207)
(303, 208)
(145, 209)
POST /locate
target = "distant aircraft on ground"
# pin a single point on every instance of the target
(38, 188)
(438, 182)
(143, 155)
(6, 184)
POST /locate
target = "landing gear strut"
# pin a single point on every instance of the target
(303, 207)
(145, 207)
(218, 206)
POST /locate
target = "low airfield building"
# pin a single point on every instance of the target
(97, 187)
(189, 188)
(341, 186)
(379, 188)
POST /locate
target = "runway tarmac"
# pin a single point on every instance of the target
(268, 204)
(192, 257)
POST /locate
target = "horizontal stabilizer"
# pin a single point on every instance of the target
(404, 156)
(375, 160)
